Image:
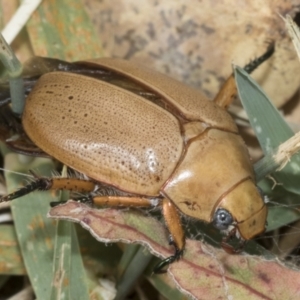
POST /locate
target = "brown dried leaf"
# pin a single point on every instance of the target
(204, 272)
(112, 225)
(209, 273)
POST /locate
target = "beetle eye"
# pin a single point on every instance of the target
(222, 219)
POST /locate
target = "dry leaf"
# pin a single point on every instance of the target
(204, 272)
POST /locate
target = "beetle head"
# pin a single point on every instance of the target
(242, 209)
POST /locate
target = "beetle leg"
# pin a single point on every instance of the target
(173, 222)
(170, 213)
(114, 201)
(47, 183)
(228, 91)
(12, 132)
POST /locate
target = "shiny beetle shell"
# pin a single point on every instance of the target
(176, 144)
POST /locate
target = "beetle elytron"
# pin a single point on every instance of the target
(148, 140)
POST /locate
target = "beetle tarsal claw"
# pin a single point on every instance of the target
(159, 269)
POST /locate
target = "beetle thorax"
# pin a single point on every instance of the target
(213, 163)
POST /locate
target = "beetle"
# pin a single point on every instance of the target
(143, 139)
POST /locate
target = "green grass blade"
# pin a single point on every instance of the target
(268, 124)
(68, 266)
(133, 272)
(35, 232)
(11, 261)
(270, 128)
(62, 263)
(62, 29)
(78, 274)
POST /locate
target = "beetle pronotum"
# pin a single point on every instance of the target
(145, 139)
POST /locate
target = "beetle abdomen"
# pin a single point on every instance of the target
(109, 134)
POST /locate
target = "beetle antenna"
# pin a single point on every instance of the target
(228, 91)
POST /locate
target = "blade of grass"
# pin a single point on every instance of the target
(128, 254)
(62, 29)
(20, 18)
(270, 128)
(78, 274)
(36, 233)
(14, 70)
(68, 268)
(62, 262)
(11, 261)
(133, 271)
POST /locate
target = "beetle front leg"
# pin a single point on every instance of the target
(170, 213)
(173, 222)
(228, 91)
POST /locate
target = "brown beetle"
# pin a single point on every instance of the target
(144, 139)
